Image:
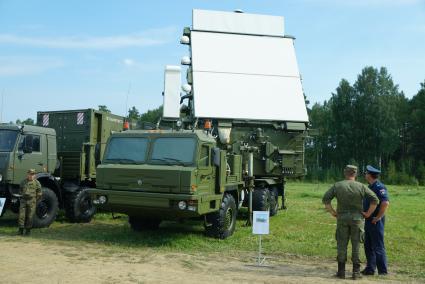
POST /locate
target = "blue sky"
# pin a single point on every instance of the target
(78, 54)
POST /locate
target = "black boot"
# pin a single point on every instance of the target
(367, 272)
(21, 231)
(356, 271)
(341, 270)
(27, 232)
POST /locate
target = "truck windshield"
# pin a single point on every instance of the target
(7, 140)
(173, 151)
(126, 150)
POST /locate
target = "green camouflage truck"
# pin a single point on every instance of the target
(64, 148)
(229, 142)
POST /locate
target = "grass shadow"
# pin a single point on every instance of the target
(110, 231)
(10, 223)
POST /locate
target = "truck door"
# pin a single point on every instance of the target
(36, 159)
(206, 172)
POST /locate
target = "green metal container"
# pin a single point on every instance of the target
(81, 138)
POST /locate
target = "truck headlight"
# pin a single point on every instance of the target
(182, 205)
(102, 199)
(1, 178)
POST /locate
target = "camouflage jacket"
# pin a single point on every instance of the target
(30, 189)
(349, 195)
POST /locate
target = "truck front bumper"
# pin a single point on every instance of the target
(158, 205)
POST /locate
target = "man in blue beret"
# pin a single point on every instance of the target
(374, 225)
(349, 218)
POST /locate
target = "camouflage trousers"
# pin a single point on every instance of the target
(26, 213)
(349, 227)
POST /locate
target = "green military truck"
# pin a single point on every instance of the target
(65, 147)
(230, 142)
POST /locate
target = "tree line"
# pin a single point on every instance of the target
(151, 116)
(368, 122)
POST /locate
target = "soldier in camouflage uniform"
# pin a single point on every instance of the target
(350, 221)
(30, 192)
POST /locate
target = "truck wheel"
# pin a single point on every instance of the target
(274, 201)
(79, 207)
(46, 209)
(141, 224)
(261, 199)
(221, 224)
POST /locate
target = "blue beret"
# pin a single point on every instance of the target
(372, 170)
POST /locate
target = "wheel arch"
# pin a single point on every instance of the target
(269, 183)
(233, 190)
(49, 181)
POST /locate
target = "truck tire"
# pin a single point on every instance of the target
(46, 209)
(261, 199)
(221, 224)
(79, 207)
(139, 224)
(274, 201)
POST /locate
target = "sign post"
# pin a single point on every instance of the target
(2, 202)
(260, 227)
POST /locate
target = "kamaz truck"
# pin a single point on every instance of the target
(64, 148)
(230, 141)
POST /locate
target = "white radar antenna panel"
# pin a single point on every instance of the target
(172, 86)
(244, 68)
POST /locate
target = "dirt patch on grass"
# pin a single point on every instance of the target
(27, 260)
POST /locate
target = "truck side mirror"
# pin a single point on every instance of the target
(216, 156)
(27, 144)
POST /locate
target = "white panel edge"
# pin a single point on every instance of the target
(242, 23)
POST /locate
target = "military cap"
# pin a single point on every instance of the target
(372, 170)
(350, 168)
(31, 171)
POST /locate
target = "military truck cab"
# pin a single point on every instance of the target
(22, 148)
(160, 175)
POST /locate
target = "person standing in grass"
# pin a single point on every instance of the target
(374, 226)
(349, 214)
(31, 192)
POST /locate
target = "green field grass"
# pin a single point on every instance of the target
(304, 229)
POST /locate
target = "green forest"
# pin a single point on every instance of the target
(368, 122)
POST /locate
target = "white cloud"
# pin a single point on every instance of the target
(27, 65)
(139, 66)
(128, 62)
(145, 38)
